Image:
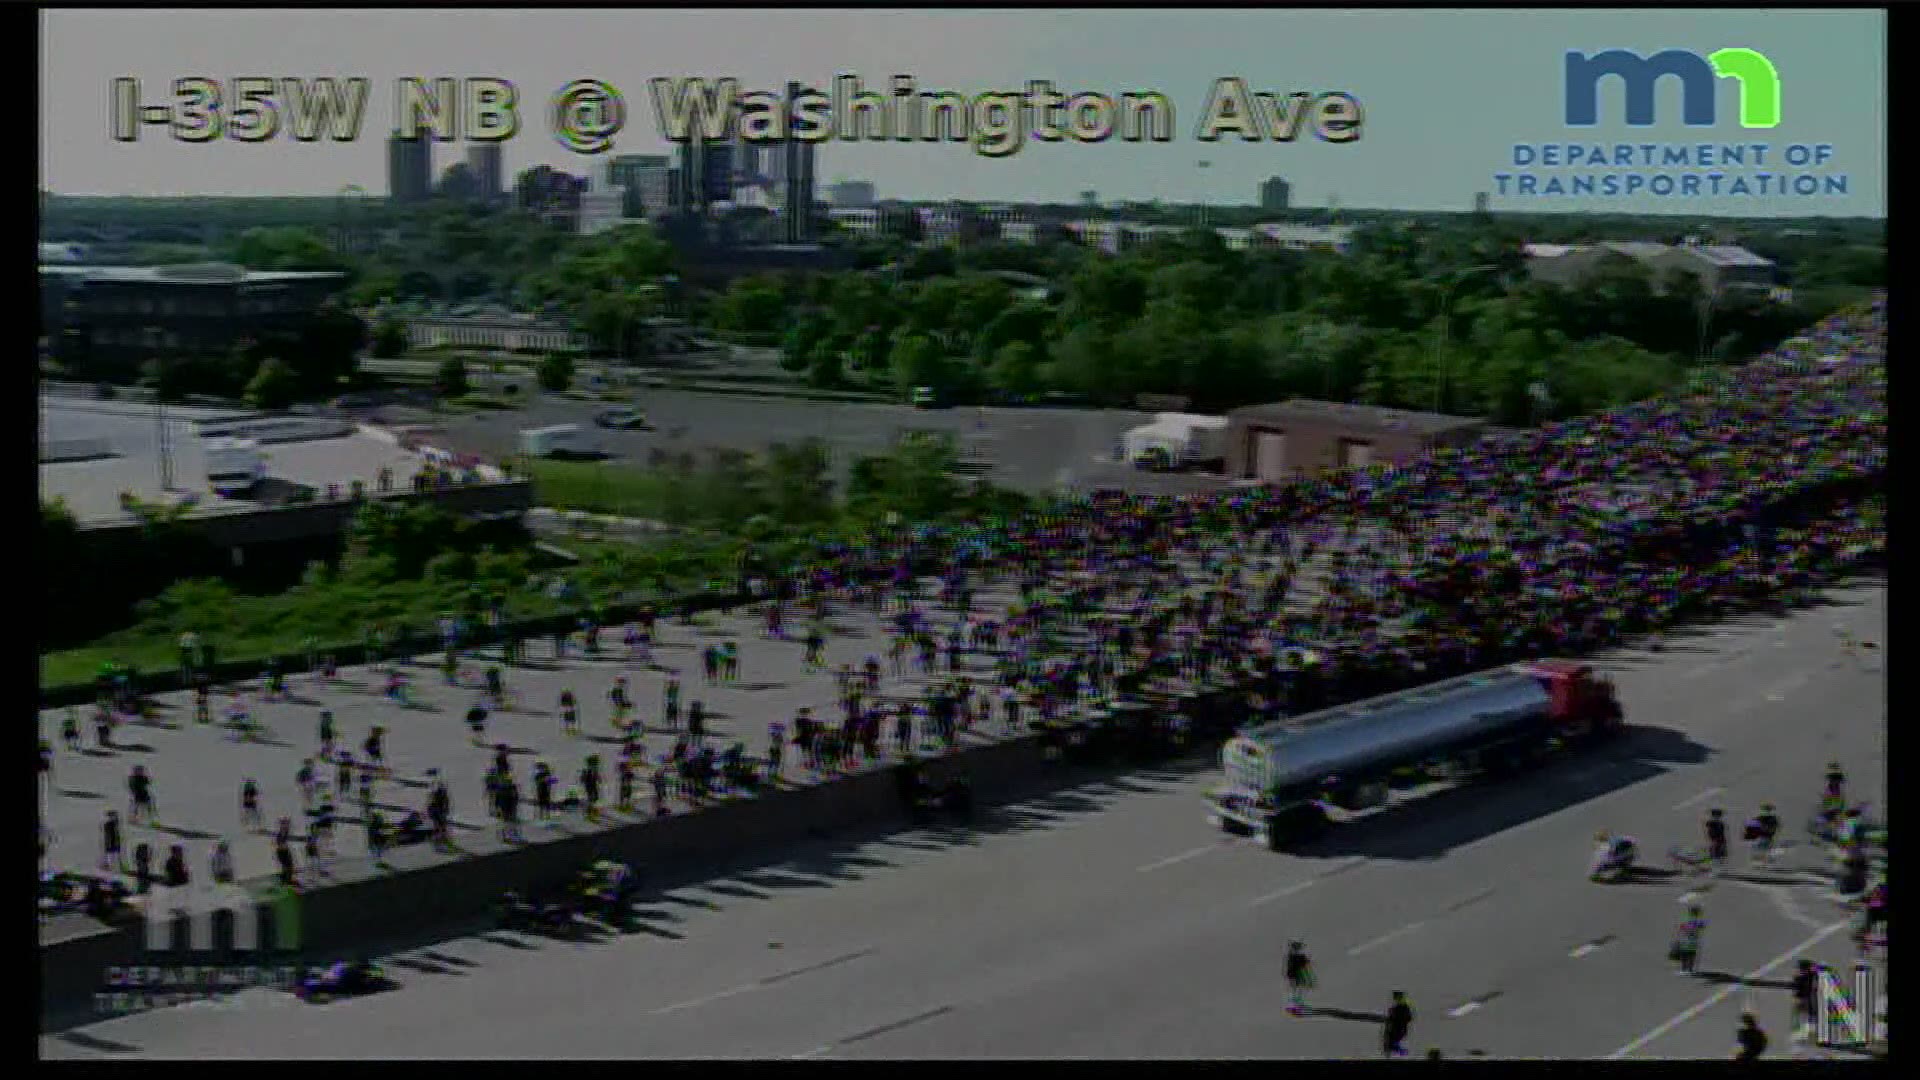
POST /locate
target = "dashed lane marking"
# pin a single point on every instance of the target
(811, 968)
(1480, 1002)
(708, 1000)
(1369, 946)
(1474, 899)
(1588, 948)
(1701, 797)
(1280, 894)
(1172, 860)
(917, 1018)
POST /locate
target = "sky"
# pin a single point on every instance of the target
(1445, 96)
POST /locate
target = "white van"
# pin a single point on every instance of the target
(557, 441)
(234, 466)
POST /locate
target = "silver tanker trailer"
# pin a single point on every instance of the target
(1282, 777)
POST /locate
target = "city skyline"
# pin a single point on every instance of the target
(1493, 76)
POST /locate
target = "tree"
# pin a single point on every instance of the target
(800, 482)
(285, 249)
(274, 386)
(750, 307)
(825, 368)
(450, 378)
(555, 372)
(916, 362)
(1016, 370)
(916, 480)
(389, 338)
(796, 346)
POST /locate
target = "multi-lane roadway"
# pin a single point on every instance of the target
(1110, 921)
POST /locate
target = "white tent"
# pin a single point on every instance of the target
(1183, 437)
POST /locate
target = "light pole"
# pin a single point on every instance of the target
(1446, 328)
(1203, 194)
(1708, 299)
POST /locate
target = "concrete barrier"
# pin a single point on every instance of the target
(424, 889)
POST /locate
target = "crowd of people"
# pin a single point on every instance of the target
(1756, 483)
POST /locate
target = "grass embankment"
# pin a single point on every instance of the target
(404, 570)
(600, 487)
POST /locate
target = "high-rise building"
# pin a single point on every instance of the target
(651, 192)
(796, 183)
(851, 194)
(1481, 202)
(1275, 194)
(626, 169)
(409, 169)
(706, 174)
(551, 194)
(487, 163)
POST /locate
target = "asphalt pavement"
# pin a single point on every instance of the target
(1110, 921)
(1029, 449)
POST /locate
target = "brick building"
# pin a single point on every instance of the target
(1275, 442)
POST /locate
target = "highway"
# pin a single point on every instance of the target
(1111, 921)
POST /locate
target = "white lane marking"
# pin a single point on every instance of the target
(1585, 950)
(1463, 1010)
(1780, 690)
(1730, 989)
(1369, 946)
(1280, 894)
(1784, 902)
(1707, 794)
(708, 1000)
(1174, 859)
(818, 1051)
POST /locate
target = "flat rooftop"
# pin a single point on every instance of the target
(189, 274)
(1358, 419)
(113, 448)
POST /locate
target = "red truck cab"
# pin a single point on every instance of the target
(1583, 703)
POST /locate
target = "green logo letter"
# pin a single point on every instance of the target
(1759, 85)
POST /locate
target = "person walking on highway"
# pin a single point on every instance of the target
(304, 779)
(1686, 942)
(1299, 978)
(1399, 1024)
(671, 704)
(543, 790)
(140, 796)
(1806, 982)
(590, 785)
(1716, 829)
(112, 857)
(250, 817)
(1752, 1041)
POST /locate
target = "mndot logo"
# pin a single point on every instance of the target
(276, 913)
(1758, 79)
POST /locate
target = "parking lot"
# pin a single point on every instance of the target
(1029, 449)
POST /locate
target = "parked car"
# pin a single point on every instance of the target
(621, 419)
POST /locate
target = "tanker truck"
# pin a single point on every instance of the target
(1285, 780)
